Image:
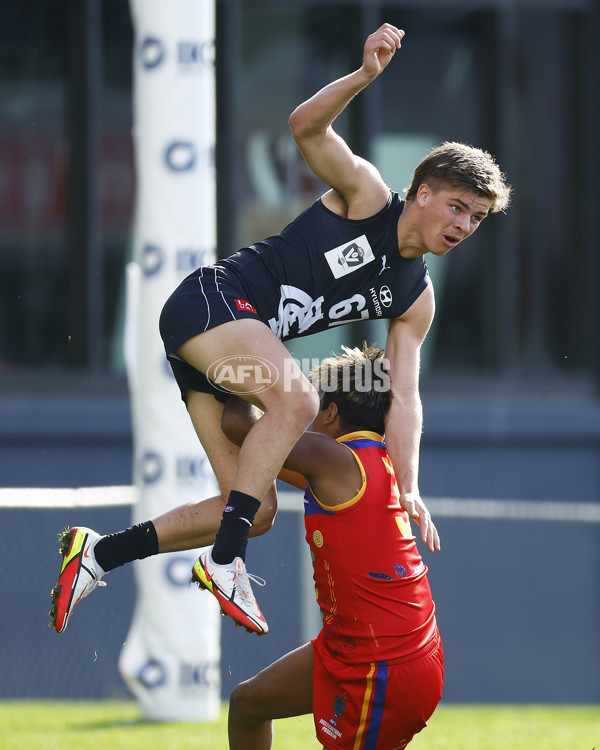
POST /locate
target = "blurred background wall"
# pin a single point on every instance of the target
(511, 369)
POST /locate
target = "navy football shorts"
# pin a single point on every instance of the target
(205, 299)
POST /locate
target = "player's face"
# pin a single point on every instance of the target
(449, 216)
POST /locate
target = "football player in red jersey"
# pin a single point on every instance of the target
(374, 674)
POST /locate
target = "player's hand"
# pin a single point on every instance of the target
(380, 48)
(412, 503)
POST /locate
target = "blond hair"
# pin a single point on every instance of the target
(461, 166)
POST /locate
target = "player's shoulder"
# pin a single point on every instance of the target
(367, 198)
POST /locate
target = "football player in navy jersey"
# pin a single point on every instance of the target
(357, 253)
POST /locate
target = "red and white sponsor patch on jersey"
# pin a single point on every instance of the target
(243, 305)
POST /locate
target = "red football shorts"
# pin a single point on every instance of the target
(377, 706)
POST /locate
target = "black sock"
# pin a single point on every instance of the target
(135, 543)
(232, 538)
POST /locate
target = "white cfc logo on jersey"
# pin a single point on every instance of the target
(296, 313)
(350, 256)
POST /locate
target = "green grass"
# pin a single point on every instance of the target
(46, 725)
(511, 728)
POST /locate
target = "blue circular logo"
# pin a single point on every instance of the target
(151, 52)
(178, 570)
(151, 467)
(151, 260)
(153, 674)
(180, 156)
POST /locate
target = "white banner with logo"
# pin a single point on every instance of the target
(171, 658)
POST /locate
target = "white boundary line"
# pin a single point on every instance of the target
(443, 507)
(67, 497)
(508, 510)
(525, 510)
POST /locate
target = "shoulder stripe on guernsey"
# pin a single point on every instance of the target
(364, 443)
(372, 708)
(363, 439)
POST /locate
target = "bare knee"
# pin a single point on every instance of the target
(310, 404)
(299, 409)
(244, 704)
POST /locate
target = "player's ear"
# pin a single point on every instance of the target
(331, 413)
(423, 193)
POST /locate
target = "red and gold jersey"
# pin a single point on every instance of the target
(370, 580)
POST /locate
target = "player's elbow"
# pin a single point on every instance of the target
(304, 128)
(296, 123)
(261, 525)
(265, 517)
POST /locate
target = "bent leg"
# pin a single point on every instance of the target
(290, 402)
(196, 524)
(281, 690)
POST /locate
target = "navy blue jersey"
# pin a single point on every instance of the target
(324, 270)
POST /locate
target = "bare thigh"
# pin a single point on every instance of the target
(251, 339)
(206, 413)
(288, 400)
(195, 524)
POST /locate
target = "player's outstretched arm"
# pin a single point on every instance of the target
(404, 421)
(325, 152)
